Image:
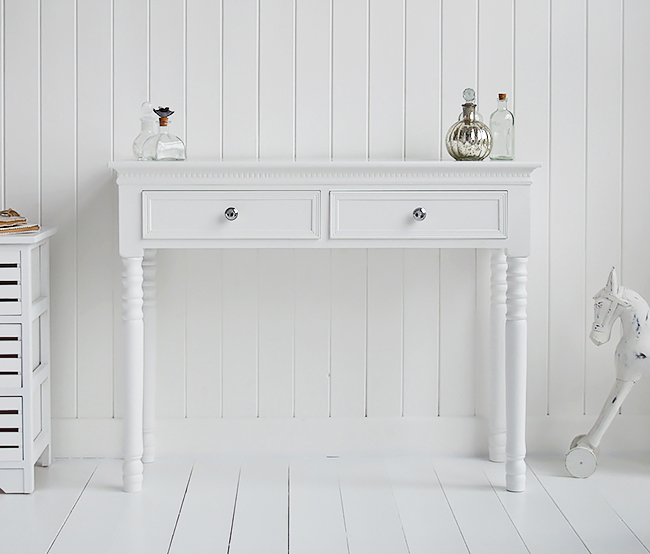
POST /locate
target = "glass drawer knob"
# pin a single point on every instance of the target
(231, 214)
(419, 214)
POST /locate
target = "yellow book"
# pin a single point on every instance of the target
(20, 228)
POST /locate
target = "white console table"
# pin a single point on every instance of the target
(325, 204)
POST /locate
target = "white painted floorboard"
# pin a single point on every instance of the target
(373, 505)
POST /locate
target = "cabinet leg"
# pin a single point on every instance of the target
(516, 330)
(133, 365)
(497, 413)
(149, 311)
(45, 459)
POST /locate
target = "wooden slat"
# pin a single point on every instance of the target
(203, 79)
(386, 80)
(276, 333)
(22, 117)
(422, 74)
(603, 218)
(262, 509)
(312, 332)
(313, 54)
(203, 333)
(59, 191)
(316, 524)
(484, 523)
(534, 513)
(457, 344)
(531, 97)
(96, 211)
(240, 100)
(239, 304)
(348, 338)
(421, 320)
(276, 84)
(600, 528)
(635, 226)
(205, 521)
(130, 72)
(496, 59)
(385, 333)
(349, 80)
(567, 213)
(371, 516)
(423, 508)
(57, 490)
(171, 275)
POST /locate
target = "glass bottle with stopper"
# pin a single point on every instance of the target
(148, 128)
(163, 146)
(469, 138)
(502, 126)
(469, 95)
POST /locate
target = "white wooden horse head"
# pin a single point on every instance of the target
(608, 305)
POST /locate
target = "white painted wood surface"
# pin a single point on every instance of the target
(75, 76)
(336, 505)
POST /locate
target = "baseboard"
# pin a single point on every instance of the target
(339, 436)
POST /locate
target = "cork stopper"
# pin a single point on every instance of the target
(502, 96)
(163, 121)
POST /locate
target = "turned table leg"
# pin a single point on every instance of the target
(516, 374)
(132, 363)
(497, 413)
(149, 311)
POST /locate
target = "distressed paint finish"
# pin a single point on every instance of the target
(631, 362)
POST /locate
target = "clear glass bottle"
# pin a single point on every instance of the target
(148, 128)
(469, 95)
(502, 126)
(163, 146)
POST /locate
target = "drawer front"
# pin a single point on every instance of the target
(11, 428)
(10, 291)
(256, 215)
(418, 214)
(10, 355)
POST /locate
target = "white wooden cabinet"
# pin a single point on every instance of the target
(25, 431)
(281, 204)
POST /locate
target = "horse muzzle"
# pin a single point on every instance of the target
(599, 336)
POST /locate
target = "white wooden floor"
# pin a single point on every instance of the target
(330, 506)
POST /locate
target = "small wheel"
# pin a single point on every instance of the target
(581, 462)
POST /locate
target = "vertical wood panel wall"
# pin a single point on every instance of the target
(341, 333)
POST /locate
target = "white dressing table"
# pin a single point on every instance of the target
(277, 204)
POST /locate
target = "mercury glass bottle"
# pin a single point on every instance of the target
(502, 127)
(469, 139)
(164, 146)
(148, 128)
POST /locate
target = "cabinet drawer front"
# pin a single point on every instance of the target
(390, 214)
(11, 429)
(259, 214)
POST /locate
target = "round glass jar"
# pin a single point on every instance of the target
(469, 139)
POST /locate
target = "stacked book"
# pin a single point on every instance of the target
(12, 222)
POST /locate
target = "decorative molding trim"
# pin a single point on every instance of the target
(333, 172)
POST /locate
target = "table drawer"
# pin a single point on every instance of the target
(418, 214)
(11, 428)
(200, 214)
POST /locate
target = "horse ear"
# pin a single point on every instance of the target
(612, 282)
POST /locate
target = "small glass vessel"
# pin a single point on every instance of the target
(163, 146)
(502, 127)
(148, 128)
(469, 139)
(469, 95)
